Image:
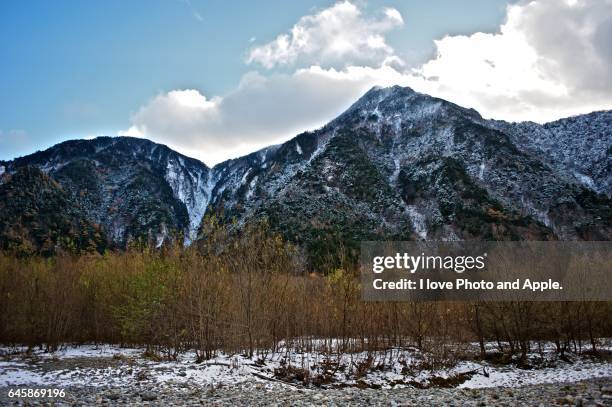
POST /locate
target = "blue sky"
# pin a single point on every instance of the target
(74, 69)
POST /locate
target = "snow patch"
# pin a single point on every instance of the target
(225, 369)
(396, 170)
(539, 214)
(586, 180)
(481, 171)
(161, 237)
(192, 186)
(321, 145)
(499, 377)
(49, 167)
(418, 220)
(244, 177)
(251, 190)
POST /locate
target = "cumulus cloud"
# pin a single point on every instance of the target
(263, 110)
(549, 59)
(335, 37)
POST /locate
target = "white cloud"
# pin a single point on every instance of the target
(338, 36)
(549, 59)
(132, 131)
(263, 110)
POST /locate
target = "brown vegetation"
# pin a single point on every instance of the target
(249, 293)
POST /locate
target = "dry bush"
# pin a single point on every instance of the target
(248, 294)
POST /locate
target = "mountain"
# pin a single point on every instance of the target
(403, 165)
(397, 164)
(37, 215)
(135, 189)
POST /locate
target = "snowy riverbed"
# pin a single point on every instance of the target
(109, 365)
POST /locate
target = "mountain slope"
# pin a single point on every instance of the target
(38, 216)
(576, 146)
(403, 165)
(137, 190)
(396, 165)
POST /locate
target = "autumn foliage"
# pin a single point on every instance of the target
(247, 294)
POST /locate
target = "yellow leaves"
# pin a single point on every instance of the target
(336, 276)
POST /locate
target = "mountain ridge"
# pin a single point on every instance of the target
(397, 164)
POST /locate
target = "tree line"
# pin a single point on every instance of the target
(249, 293)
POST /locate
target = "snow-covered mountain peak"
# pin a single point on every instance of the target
(398, 164)
(401, 104)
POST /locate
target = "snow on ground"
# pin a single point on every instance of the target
(519, 377)
(112, 365)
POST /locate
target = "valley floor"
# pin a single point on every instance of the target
(112, 375)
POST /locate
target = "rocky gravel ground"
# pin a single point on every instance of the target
(595, 392)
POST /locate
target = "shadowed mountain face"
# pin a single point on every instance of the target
(37, 216)
(396, 165)
(135, 189)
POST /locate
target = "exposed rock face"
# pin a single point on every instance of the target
(396, 165)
